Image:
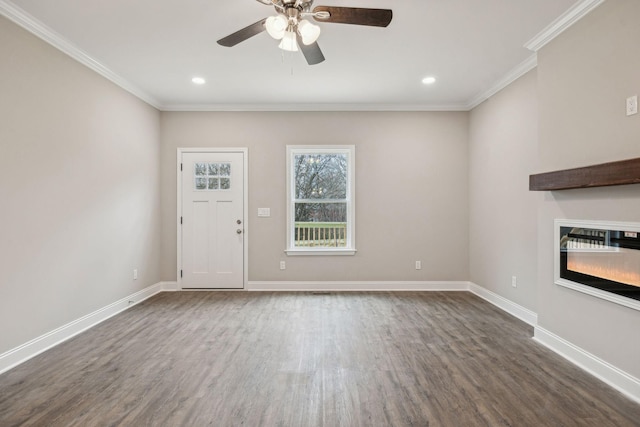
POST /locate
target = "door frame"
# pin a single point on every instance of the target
(245, 209)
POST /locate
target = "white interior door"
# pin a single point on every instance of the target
(212, 220)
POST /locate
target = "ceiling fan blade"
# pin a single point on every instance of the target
(243, 34)
(355, 15)
(312, 52)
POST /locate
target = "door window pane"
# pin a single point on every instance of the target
(201, 183)
(207, 176)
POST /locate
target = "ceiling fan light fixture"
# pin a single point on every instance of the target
(296, 33)
(308, 31)
(276, 26)
(289, 42)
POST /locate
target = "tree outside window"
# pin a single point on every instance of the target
(320, 181)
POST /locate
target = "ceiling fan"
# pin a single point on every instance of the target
(294, 31)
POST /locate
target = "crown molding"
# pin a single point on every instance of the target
(570, 17)
(40, 30)
(23, 19)
(37, 28)
(566, 20)
(521, 69)
(311, 107)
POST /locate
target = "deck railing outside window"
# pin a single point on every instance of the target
(320, 234)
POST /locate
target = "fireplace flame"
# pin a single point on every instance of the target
(621, 266)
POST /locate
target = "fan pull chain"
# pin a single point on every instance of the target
(290, 57)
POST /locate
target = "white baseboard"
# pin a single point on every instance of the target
(44, 342)
(509, 306)
(616, 378)
(170, 286)
(345, 286)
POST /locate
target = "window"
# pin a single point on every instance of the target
(212, 176)
(320, 211)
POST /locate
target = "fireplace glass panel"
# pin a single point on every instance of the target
(608, 260)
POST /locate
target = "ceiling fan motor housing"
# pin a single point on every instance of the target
(292, 13)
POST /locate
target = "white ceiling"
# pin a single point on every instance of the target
(154, 47)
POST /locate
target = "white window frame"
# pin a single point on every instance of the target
(350, 151)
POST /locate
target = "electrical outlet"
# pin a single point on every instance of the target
(632, 105)
(418, 265)
(135, 274)
(283, 265)
(514, 281)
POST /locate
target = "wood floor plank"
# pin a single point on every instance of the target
(300, 359)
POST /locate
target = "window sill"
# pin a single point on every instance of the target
(322, 252)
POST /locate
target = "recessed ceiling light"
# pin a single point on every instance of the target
(198, 80)
(429, 80)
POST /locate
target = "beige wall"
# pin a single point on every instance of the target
(411, 190)
(584, 77)
(79, 173)
(503, 148)
(88, 185)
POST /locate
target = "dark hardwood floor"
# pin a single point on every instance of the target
(299, 359)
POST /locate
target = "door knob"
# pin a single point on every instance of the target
(239, 231)
(238, 222)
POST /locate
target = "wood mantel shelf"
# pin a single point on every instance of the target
(602, 175)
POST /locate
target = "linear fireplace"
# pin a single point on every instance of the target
(599, 258)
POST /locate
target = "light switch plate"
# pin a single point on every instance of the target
(632, 105)
(264, 212)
